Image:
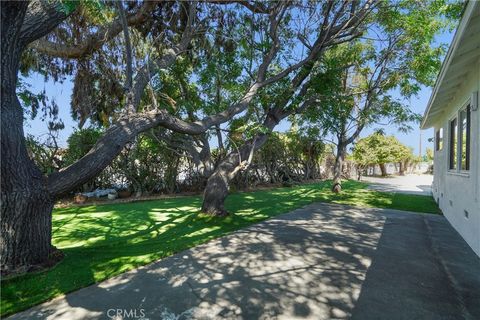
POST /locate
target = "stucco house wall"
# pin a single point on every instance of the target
(458, 192)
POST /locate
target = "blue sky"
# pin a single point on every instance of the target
(418, 104)
(61, 93)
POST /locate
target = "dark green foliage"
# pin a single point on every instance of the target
(368, 81)
(380, 149)
(80, 142)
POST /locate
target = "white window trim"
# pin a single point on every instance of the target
(438, 130)
(457, 171)
(465, 105)
(450, 141)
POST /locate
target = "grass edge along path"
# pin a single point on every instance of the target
(102, 241)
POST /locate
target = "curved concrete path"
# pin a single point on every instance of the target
(324, 261)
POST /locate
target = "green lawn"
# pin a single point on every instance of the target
(102, 241)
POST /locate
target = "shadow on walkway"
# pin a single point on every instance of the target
(321, 262)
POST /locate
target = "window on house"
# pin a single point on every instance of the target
(464, 138)
(439, 139)
(453, 144)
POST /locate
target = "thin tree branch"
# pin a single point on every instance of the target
(93, 41)
(128, 45)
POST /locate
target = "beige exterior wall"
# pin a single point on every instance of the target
(459, 192)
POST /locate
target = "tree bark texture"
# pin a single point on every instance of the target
(25, 226)
(216, 191)
(338, 167)
(401, 168)
(218, 183)
(383, 169)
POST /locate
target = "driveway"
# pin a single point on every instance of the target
(411, 184)
(323, 261)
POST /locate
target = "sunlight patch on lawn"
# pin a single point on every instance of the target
(203, 231)
(105, 240)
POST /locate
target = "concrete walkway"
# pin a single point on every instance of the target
(321, 262)
(411, 184)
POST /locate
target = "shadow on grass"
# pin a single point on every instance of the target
(253, 273)
(324, 262)
(105, 240)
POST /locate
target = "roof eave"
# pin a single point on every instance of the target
(469, 9)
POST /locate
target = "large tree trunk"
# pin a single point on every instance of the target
(26, 206)
(216, 190)
(338, 168)
(26, 230)
(217, 187)
(218, 183)
(401, 168)
(383, 169)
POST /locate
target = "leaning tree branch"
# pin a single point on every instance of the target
(93, 41)
(130, 125)
(41, 18)
(330, 31)
(253, 6)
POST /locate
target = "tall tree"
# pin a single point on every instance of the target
(27, 195)
(374, 75)
(338, 23)
(378, 149)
